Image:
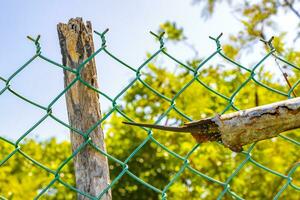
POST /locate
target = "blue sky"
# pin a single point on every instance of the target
(129, 23)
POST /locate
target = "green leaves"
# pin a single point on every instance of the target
(19, 178)
(171, 29)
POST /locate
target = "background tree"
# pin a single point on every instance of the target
(157, 167)
(216, 161)
(153, 164)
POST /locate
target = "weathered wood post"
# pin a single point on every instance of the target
(91, 167)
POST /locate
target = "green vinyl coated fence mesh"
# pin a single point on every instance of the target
(163, 190)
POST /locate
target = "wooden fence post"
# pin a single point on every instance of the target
(91, 167)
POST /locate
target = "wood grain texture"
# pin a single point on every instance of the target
(243, 127)
(91, 167)
(259, 123)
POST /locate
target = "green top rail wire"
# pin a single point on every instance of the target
(150, 138)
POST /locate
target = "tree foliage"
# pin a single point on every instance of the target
(157, 167)
(19, 178)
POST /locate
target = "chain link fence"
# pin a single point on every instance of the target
(8, 88)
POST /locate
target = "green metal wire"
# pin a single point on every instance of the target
(149, 138)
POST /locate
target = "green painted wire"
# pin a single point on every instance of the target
(149, 138)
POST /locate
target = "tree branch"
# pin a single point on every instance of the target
(292, 8)
(243, 127)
